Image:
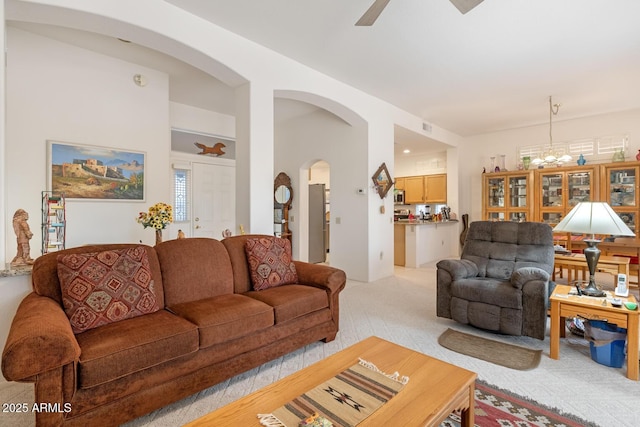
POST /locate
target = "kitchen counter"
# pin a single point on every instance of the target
(418, 242)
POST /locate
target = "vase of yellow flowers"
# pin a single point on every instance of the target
(158, 217)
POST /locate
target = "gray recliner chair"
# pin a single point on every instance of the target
(501, 281)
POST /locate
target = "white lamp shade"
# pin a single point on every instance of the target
(593, 218)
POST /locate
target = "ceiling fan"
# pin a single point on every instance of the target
(378, 6)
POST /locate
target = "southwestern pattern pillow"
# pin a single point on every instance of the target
(103, 287)
(270, 262)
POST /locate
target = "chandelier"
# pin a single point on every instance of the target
(551, 156)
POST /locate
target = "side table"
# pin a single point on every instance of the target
(564, 305)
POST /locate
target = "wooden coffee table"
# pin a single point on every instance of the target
(435, 389)
(564, 305)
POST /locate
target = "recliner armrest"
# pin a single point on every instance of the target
(40, 339)
(458, 268)
(526, 274)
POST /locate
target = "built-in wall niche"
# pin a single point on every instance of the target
(203, 144)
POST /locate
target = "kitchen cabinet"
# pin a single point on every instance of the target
(399, 184)
(508, 196)
(435, 188)
(425, 189)
(413, 190)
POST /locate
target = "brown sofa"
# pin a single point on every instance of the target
(210, 326)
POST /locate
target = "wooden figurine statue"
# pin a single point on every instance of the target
(23, 235)
(216, 149)
(181, 234)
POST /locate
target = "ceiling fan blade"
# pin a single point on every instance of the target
(372, 13)
(465, 6)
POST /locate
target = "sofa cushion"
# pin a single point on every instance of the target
(270, 262)
(225, 317)
(104, 287)
(292, 301)
(490, 291)
(202, 263)
(118, 349)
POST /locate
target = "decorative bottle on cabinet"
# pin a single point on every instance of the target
(618, 156)
(581, 160)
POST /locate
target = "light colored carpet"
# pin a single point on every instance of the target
(402, 309)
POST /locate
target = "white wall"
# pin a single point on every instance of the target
(254, 72)
(475, 151)
(302, 141)
(3, 188)
(421, 164)
(64, 93)
(186, 117)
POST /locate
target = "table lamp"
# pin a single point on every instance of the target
(593, 218)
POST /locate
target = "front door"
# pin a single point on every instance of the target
(214, 201)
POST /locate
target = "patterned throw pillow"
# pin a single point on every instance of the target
(103, 287)
(270, 262)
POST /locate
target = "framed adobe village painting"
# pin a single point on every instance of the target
(86, 172)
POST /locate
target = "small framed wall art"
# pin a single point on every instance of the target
(382, 180)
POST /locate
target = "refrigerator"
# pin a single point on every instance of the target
(317, 224)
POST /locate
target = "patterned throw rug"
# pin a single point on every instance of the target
(344, 400)
(500, 408)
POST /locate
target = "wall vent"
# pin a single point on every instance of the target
(426, 127)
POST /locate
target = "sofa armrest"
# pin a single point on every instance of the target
(40, 339)
(526, 274)
(458, 268)
(321, 276)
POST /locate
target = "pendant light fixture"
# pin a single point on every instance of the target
(551, 156)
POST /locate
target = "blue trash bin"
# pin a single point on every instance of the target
(606, 342)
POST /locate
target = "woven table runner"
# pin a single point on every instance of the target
(344, 400)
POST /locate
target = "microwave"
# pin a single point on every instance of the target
(398, 197)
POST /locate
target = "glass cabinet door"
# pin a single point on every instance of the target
(507, 196)
(495, 216)
(579, 187)
(622, 187)
(629, 218)
(518, 192)
(496, 192)
(518, 216)
(551, 218)
(552, 190)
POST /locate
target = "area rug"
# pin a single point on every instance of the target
(503, 354)
(501, 408)
(344, 400)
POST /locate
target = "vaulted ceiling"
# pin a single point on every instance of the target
(490, 69)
